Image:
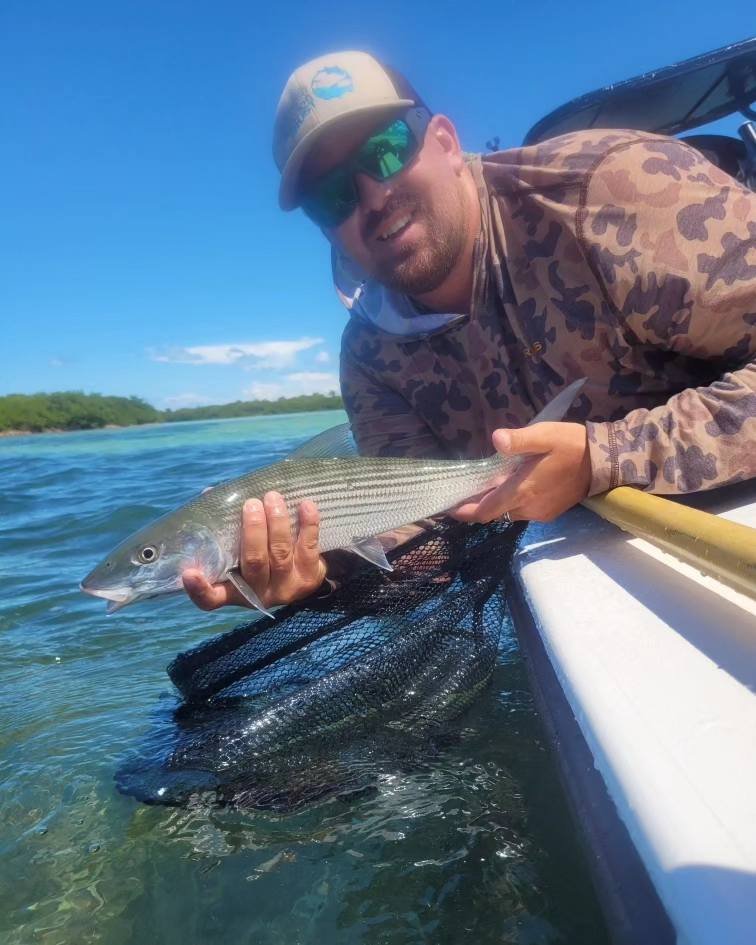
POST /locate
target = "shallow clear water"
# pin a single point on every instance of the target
(476, 845)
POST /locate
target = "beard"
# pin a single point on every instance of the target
(423, 267)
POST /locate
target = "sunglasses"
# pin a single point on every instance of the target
(332, 198)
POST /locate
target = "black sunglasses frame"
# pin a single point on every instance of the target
(417, 120)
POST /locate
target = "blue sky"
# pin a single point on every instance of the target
(142, 250)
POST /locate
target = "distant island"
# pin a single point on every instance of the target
(72, 410)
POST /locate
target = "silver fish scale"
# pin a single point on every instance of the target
(357, 498)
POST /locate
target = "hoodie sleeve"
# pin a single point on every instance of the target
(383, 422)
(672, 240)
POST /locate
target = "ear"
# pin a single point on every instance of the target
(442, 131)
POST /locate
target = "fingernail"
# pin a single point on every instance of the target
(502, 440)
(275, 504)
(253, 508)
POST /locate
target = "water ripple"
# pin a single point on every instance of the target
(473, 844)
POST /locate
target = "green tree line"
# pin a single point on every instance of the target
(249, 408)
(73, 410)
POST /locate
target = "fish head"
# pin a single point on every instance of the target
(152, 561)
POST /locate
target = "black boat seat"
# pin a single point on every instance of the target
(728, 154)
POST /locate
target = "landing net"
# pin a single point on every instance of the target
(332, 693)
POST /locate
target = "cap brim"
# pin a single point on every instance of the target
(288, 192)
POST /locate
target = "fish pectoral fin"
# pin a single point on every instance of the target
(371, 550)
(246, 591)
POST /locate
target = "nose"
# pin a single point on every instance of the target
(373, 194)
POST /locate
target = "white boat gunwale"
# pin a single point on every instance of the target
(664, 866)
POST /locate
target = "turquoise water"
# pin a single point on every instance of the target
(477, 846)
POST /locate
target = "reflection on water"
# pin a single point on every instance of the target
(474, 843)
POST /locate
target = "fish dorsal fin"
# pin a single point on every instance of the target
(334, 443)
(371, 550)
(555, 409)
(246, 591)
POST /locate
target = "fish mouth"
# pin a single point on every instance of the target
(121, 596)
(117, 597)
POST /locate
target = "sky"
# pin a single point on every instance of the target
(142, 250)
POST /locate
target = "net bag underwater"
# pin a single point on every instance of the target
(321, 700)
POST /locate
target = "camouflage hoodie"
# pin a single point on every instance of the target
(619, 256)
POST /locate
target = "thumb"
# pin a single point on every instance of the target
(533, 439)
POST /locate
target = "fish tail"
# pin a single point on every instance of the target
(554, 410)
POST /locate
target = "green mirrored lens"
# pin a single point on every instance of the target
(387, 152)
(332, 198)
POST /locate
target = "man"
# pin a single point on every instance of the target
(478, 289)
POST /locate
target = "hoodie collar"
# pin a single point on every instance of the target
(392, 313)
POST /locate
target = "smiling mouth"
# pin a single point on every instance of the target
(395, 228)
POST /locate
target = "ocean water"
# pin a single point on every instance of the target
(477, 846)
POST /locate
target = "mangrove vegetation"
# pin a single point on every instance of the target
(73, 410)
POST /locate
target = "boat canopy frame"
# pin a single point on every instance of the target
(670, 101)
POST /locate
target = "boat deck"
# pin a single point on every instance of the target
(646, 671)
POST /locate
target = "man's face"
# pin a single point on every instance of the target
(407, 231)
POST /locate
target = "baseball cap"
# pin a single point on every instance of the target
(321, 94)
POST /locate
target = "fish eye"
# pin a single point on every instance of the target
(148, 554)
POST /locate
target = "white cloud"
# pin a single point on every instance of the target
(185, 400)
(317, 382)
(322, 357)
(261, 354)
(263, 392)
(291, 385)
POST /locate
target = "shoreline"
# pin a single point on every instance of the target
(107, 426)
(152, 423)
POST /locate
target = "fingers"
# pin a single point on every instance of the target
(494, 503)
(280, 539)
(538, 438)
(253, 552)
(481, 513)
(472, 516)
(209, 596)
(465, 511)
(497, 502)
(307, 549)
(278, 568)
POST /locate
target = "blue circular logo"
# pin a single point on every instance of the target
(332, 82)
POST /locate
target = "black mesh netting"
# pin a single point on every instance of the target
(321, 700)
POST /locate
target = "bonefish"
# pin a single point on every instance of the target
(359, 497)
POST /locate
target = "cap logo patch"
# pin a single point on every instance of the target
(332, 82)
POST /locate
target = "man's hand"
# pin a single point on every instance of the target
(554, 475)
(279, 569)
